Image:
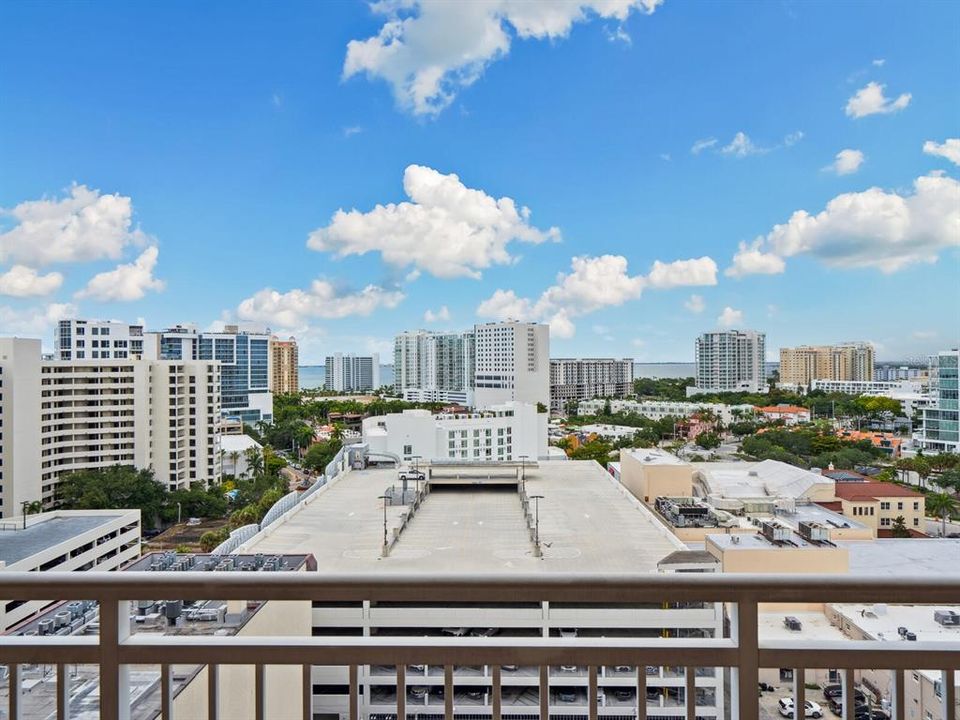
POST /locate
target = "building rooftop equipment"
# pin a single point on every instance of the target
(769, 478)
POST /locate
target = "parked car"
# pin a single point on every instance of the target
(568, 632)
(455, 632)
(418, 668)
(475, 693)
(623, 693)
(832, 691)
(568, 668)
(623, 668)
(418, 692)
(810, 708)
(510, 668)
(566, 696)
(484, 632)
(859, 701)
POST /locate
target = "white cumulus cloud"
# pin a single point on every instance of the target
(34, 321)
(870, 100)
(703, 144)
(293, 309)
(875, 228)
(126, 282)
(846, 162)
(751, 260)
(447, 229)
(22, 281)
(83, 226)
(441, 315)
(594, 283)
(730, 318)
(949, 149)
(428, 50)
(695, 304)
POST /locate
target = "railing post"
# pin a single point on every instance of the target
(213, 692)
(63, 692)
(260, 692)
(448, 692)
(544, 692)
(799, 693)
(690, 692)
(166, 692)
(13, 685)
(497, 694)
(114, 677)
(592, 694)
(948, 695)
(354, 693)
(898, 701)
(849, 693)
(641, 692)
(401, 692)
(745, 629)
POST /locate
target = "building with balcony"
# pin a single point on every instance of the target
(660, 409)
(574, 380)
(941, 420)
(789, 414)
(730, 361)
(245, 365)
(434, 366)
(284, 366)
(97, 340)
(65, 415)
(499, 433)
(352, 373)
(64, 541)
(846, 361)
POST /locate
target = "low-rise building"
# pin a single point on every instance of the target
(501, 432)
(649, 473)
(879, 504)
(64, 541)
(660, 409)
(789, 414)
(235, 450)
(887, 442)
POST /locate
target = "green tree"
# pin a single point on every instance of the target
(899, 528)
(541, 408)
(941, 505)
(923, 468)
(212, 538)
(708, 440)
(320, 454)
(115, 487)
(254, 458)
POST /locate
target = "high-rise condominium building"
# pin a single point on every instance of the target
(573, 380)
(245, 365)
(434, 367)
(730, 361)
(96, 340)
(64, 415)
(846, 361)
(352, 373)
(512, 363)
(941, 421)
(285, 366)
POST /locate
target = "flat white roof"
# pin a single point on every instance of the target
(237, 443)
(47, 530)
(655, 456)
(814, 625)
(895, 557)
(588, 523)
(769, 478)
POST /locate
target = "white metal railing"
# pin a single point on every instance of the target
(742, 651)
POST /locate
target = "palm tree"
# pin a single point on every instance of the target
(941, 505)
(337, 433)
(904, 466)
(254, 461)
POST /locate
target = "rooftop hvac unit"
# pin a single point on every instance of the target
(775, 533)
(814, 532)
(792, 623)
(910, 636)
(946, 617)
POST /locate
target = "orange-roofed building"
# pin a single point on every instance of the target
(887, 442)
(879, 504)
(790, 414)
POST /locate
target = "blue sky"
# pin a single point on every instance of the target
(186, 163)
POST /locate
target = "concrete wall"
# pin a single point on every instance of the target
(647, 481)
(284, 682)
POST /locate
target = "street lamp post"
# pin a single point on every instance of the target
(416, 462)
(178, 513)
(384, 498)
(536, 532)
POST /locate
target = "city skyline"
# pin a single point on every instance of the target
(337, 173)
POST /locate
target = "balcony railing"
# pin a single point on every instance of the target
(743, 652)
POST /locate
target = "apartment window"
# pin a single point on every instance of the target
(884, 506)
(899, 506)
(885, 522)
(916, 522)
(408, 449)
(916, 506)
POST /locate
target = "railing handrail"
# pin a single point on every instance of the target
(486, 587)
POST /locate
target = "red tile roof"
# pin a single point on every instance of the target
(872, 490)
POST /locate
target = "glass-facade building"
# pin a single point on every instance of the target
(941, 421)
(244, 366)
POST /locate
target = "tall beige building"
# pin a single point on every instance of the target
(285, 371)
(60, 416)
(848, 361)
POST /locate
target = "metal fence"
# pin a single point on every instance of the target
(742, 651)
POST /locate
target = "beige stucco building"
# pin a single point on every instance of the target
(649, 473)
(284, 366)
(849, 361)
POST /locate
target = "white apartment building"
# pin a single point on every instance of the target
(730, 361)
(867, 387)
(434, 366)
(499, 432)
(97, 340)
(352, 373)
(61, 416)
(64, 541)
(512, 363)
(573, 380)
(659, 409)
